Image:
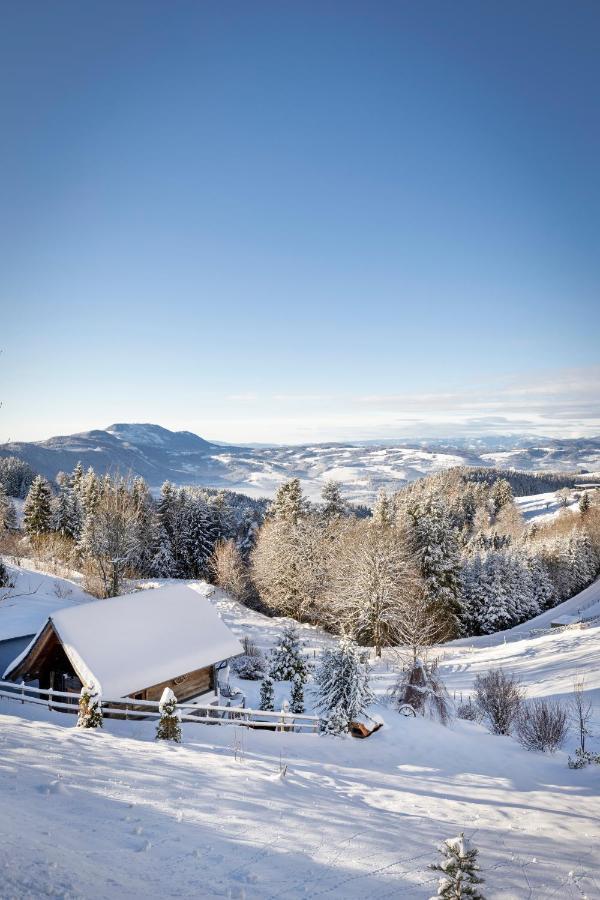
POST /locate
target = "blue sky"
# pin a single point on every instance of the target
(300, 221)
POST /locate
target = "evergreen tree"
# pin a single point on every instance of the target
(383, 510)
(37, 509)
(501, 494)
(77, 478)
(297, 695)
(288, 505)
(334, 506)
(584, 503)
(267, 694)
(162, 564)
(336, 721)
(287, 659)
(168, 728)
(436, 546)
(8, 513)
(90, 708)
(343, 681)
(459, 868)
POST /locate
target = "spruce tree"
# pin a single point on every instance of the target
(8, 513)
(287, 659)
(288, 505)
(90, 708)
(436, 546)
(267, 694)
(584, 503)
(297, 695)
(459, 868)
(37, 509)
(343, 682)
(168, 728)
(334, 506)
(383, 510)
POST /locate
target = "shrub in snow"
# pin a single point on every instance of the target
(583, 758)
(5, 580)
(251, 664)
(168, 728)
(90, 709)
(287, 659)
(468, 711)
(459, 868)
(499, 697)
(297, 695)
(336, 721)
(421, 687)
(343, 683)
(542, 725)
(267, 696)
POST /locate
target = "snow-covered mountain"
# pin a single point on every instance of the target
(185, 458)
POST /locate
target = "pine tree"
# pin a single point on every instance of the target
(459, 868)
(162, 564)
(288, 505)
(90, 708)
(8, 513)
(287, 659)
(267, 694)
(336, 721)
(37, 509)
(343, 681)
(383, 510)
(501, 494)
(297, 695)
(168, 728)
(334, 506)
(436, 546)
(584, 503)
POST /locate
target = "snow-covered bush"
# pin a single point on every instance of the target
(542, 725)
(297, 695)
(421, 687)
(168, 728)
(90, 708)
(343, 683)
(267, 695)
(251, 664)
(583, 758)
(5, 580)
(468, 711)
(287, 659)
(459, 868)
(336, 721)
(499, 697)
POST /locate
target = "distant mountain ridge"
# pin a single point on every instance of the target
(158, 454)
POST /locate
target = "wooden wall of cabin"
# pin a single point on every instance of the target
(185, 687)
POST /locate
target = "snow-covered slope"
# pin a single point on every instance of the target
(34, 596)
(214, 818)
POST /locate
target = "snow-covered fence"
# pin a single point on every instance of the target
(126, 708)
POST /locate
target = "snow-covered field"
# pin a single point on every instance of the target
(542, 506)
(112, 814)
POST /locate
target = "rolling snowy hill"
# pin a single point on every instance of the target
(158, 454)
(112, 814)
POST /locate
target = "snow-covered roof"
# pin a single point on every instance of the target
(125, 644)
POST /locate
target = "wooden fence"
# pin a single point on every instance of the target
(126, 708)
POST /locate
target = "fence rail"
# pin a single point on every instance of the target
(128, 708)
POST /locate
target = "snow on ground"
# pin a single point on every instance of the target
(25, 607)
(112, 814)
(542, 507)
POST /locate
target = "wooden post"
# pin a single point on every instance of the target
(50, 698)
(22, 691)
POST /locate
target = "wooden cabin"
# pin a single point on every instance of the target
(132, 646)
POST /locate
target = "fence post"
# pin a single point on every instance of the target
(22, 691)
(50, 699)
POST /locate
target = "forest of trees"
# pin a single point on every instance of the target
(447, 555)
